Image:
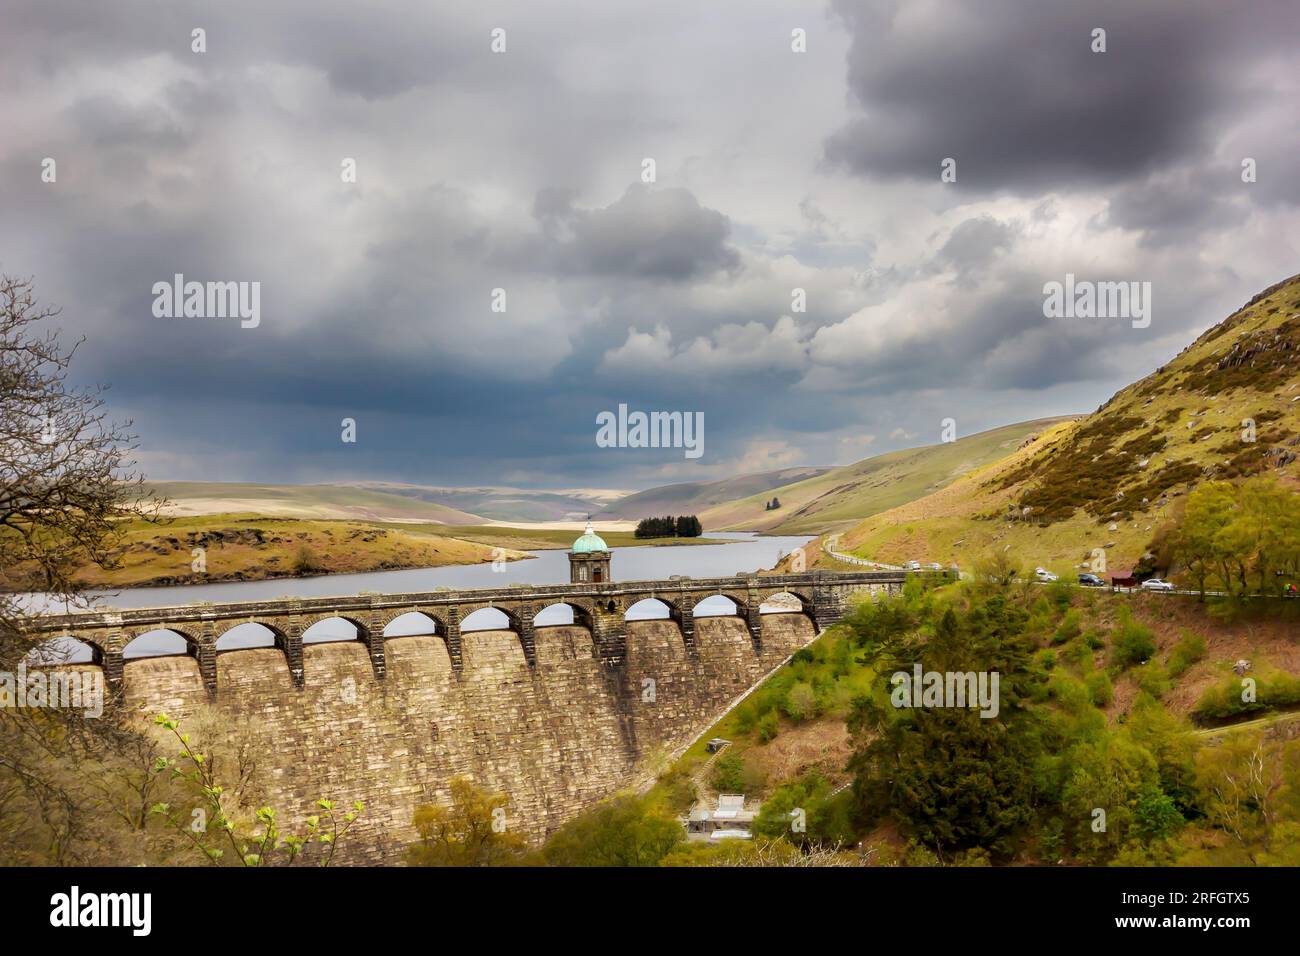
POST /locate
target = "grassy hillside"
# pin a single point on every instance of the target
(841, 496)
(1111, 480)
(190, 498)
(693, 497)
(253, 547)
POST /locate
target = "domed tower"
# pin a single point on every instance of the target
(589, 559)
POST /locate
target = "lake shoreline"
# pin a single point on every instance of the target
(274, 574)
(735, 553)
(271, 574)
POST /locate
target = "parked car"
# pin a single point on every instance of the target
(1155, 584)
(1044, 575)
(934, 566)
(1091, 581)
(913, 566)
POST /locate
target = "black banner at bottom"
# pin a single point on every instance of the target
(925, 906)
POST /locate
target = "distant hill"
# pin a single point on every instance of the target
(840, 496)
(503, 504)
(383, 501)
(693, 497)
(303, 501)
(1111, 479)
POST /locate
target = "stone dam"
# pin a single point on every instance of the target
(556, 718)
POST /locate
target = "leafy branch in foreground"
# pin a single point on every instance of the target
(266, 840)
(68, 488)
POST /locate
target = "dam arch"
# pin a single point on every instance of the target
(159, 642)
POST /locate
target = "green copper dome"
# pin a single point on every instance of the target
(590, 541)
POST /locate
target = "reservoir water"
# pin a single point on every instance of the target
(742, 552)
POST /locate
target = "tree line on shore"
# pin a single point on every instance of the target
(670, 526)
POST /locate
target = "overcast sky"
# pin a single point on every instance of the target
(522, 170)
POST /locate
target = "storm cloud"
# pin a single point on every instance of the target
(498, 271)
(1017, 94)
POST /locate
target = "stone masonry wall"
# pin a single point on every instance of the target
(556, 739)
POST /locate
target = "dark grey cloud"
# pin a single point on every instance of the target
(646, 233)
(1014, 93)
(975, 242)
(1168, 209)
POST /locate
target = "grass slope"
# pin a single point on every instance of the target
(837, 498)
(692, 497)
(241, 547)
(1110, 480)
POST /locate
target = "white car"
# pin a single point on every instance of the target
(1044, 575)
(913, 566)
(934, 566)
(1155, 584)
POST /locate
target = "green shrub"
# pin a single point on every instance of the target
(769, 725)
(1068, 629)
(1134, 644)
(621, 831)
(746, 716)
(306, 561)
(1155, 815)
(728, 773)
(1051, 840)
(677, 787)
(920, 855)
(1041, 615)
(1094, 640)
(1072, 695)
(1153, 678)
(1225, 611)
(1061, 594)
(800, 703)
(803, 812)
(1189, 650)
(734, 773)
(1100, 691)
(1272, 690)
(1081, 654)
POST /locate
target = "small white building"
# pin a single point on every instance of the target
(729, 820)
